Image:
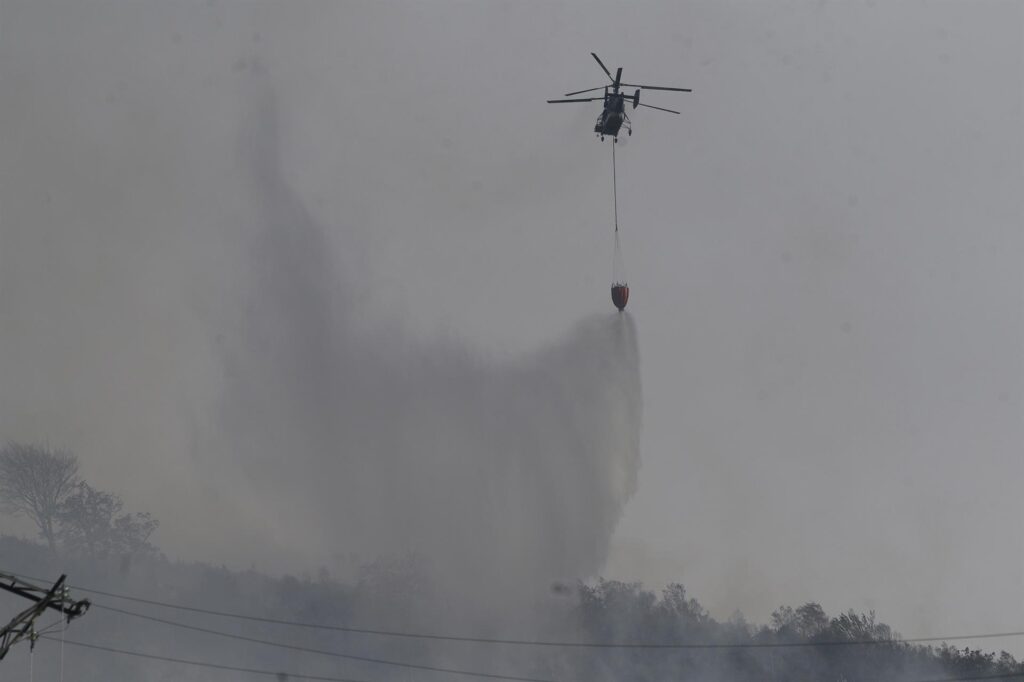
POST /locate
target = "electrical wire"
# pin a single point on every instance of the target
(203, 664)
(547, 643)
(535, 642)
(49, 628)
(993, 676)
(323, 652)
(64, 629)
(298, 676)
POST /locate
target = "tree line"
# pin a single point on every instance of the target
(798, 644)
(81, 528)
(71, 516)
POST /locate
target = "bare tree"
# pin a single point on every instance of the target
(35, 481)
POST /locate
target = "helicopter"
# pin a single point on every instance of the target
(613, 116)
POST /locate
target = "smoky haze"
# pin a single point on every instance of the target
(312, 440)
(243, 243)
(370, 443)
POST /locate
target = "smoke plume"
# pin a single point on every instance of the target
(510, 473)
(177, 310)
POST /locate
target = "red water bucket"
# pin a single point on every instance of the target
(620, 295)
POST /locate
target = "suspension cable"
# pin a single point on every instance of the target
(615, 189)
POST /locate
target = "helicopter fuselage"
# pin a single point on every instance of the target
(612, 116)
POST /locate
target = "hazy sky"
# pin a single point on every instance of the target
(824, 251)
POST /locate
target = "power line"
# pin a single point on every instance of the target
(323, 652)
(993, 676)
(298, 676)
(201, 664)
(544, 643)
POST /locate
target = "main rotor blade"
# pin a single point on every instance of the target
(618, 76)
(580, 92)
(654, 87)
(588, 99)
(651, 106)
(603, 66)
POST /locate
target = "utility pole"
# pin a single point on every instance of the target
(22, 626)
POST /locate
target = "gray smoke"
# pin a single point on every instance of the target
(370, 443)
(182, 322)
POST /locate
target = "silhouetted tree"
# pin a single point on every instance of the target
(805, 622)
(34, 482)
(91, 524)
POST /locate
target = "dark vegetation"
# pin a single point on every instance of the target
(70, 515)
(817, 646)
(84, 532)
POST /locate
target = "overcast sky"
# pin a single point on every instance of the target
(824, 251)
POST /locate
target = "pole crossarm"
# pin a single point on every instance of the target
(22, 626)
